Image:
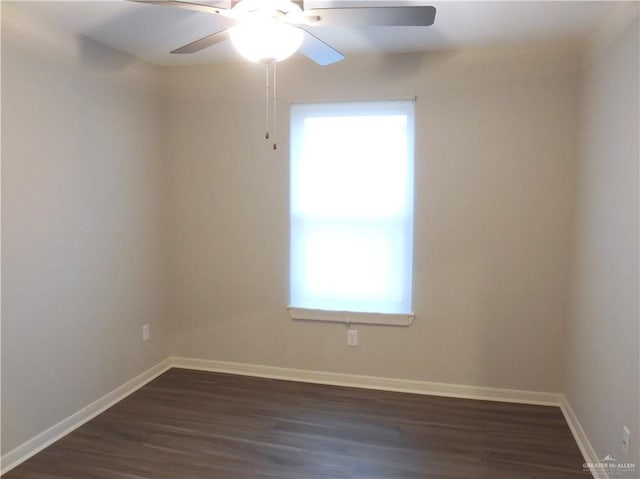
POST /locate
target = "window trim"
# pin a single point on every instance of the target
(351, 317)
(402, 319)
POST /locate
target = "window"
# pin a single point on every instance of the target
(352, 207)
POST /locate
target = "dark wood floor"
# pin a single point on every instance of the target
(190, 424)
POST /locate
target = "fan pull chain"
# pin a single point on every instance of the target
(267, 125)
(275, 97)
(266, 118)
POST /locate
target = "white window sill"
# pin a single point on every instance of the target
(350, 317)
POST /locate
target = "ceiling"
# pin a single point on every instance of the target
(150, 32)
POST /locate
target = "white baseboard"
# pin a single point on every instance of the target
(64, 427)
(372, 382)
(588, 453)
(38, 443)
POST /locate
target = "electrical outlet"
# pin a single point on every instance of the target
(352, 337)
(145, 333)
(626, 435)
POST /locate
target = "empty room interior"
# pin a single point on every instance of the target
(320, 239)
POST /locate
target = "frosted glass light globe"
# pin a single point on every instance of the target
(263, 35)
(265, 40)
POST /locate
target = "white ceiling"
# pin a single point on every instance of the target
(150, 32)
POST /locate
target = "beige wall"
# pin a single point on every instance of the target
(602, 355)
(93, 235)
(495, 155)
(82, 257)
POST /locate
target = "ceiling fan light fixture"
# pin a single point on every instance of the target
(265, 40)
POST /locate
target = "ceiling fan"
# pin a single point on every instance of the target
(269, 31)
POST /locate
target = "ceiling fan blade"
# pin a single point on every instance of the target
(203, 42)
(372, 16)
(195, 7)
(318, 51)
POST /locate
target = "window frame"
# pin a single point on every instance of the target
(405, 107)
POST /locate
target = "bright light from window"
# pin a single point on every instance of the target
(352, 206)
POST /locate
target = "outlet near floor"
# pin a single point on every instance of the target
(145, 333)
(626, 436)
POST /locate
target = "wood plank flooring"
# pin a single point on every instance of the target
(192, 424)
